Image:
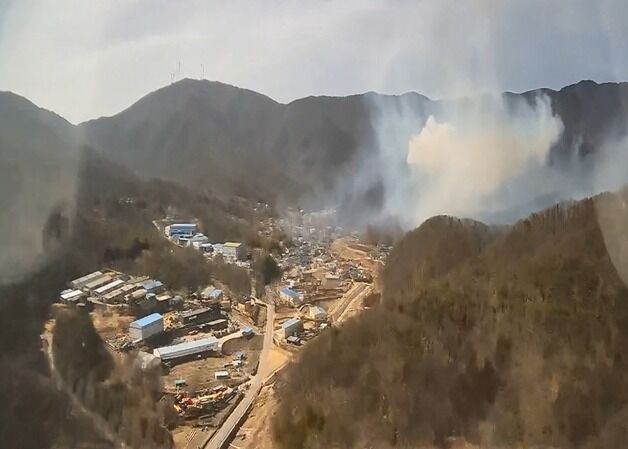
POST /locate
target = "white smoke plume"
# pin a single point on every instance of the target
(485, 157)
(495, 158)
(464, 163)
(39, 163)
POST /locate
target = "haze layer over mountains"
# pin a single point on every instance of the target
(376, 158)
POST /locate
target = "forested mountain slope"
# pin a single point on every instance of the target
(519, 343)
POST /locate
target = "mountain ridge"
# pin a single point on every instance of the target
(308, 152)
(302, 151)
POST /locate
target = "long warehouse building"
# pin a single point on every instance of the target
(98, 281)
(109, 287)
(187, 349)
(83, 280)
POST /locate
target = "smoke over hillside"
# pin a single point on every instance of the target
(464, 163)
(493, 158)
(38, 177)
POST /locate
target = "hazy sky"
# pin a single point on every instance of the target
(87, 58)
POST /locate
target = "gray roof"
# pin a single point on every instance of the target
(151, 284)
(195, 312)
(87, 277)
(187, 348)
(317, 309)
(291, 322)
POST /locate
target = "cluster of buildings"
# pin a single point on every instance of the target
(313, 226)
(311, 285)
(187, 234)
(210, 317)
(142, 294)
(150, 300)
(314, 276)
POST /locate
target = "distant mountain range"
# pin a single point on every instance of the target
(239, 141)
(235, 141)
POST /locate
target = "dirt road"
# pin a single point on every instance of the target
(357, 292)
(222, 436)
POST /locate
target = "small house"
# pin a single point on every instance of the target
(318, 313)
(292, 327)
(330, 282)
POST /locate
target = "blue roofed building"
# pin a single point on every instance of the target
(146, 327)
(293, 297)
(211, 293)
(216, 294)
(152, 286)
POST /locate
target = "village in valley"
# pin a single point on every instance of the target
(218, 353)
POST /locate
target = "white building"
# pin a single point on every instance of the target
(197, 240)
(318, 313)
(330, 282)
(211, 293)
(100, 291)
(99, 281)
(234, 250)
(71, 296)
(188, 348)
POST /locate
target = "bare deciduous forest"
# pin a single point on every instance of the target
(510, 337)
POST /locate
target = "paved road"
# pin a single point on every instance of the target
(221, 437)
